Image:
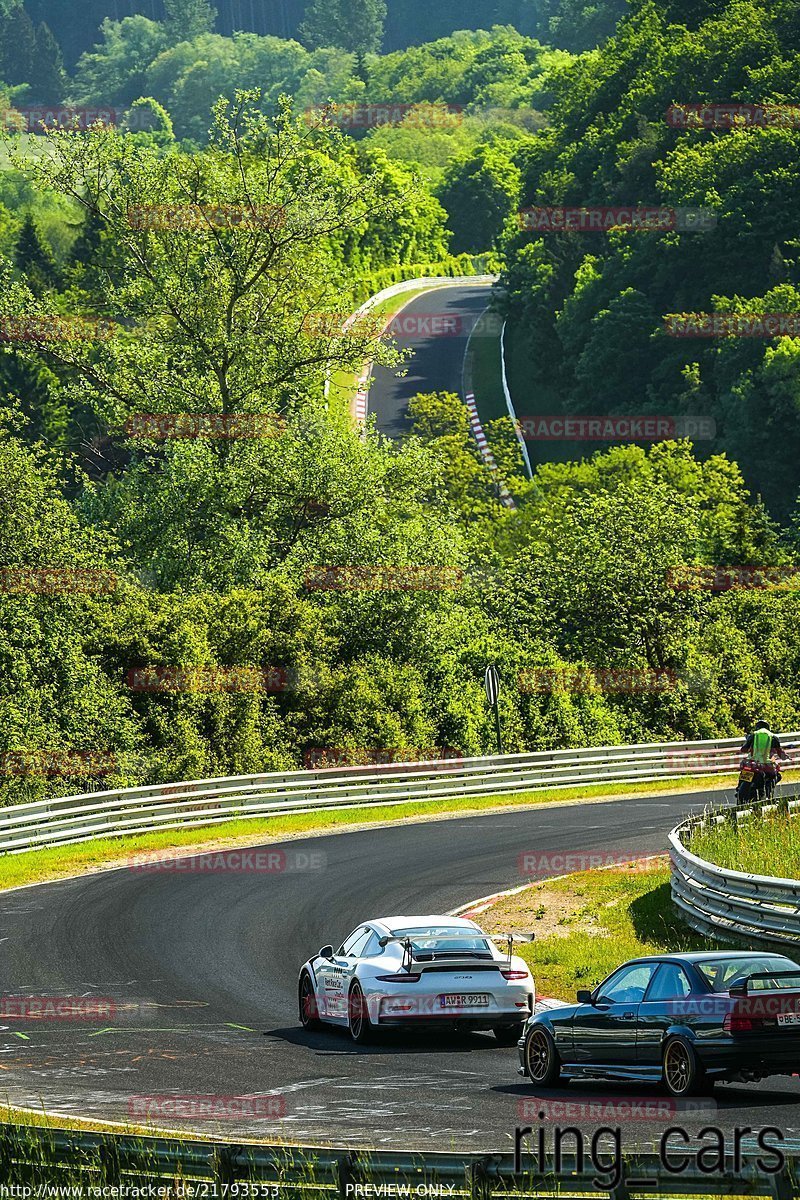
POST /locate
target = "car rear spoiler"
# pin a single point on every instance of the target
(740, 989)
(508, 939)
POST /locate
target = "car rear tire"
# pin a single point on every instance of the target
(307, 1000)
(509, 1035)
(683, 1074)
(359, 1024)
(542, 1064)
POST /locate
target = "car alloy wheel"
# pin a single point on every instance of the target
(309, 1013)
(541, 1058)
(358, 1016)
(682, 1072)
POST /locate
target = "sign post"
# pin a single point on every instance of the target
(491, 682)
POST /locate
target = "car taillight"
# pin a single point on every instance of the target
(403, 977)
(735, 1023)
(514, 974)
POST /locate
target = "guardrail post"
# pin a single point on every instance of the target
(480, 1184)
(222, 1164)
(108, 1157)
(7, 1143)
(781, 1185)
(345, 1174)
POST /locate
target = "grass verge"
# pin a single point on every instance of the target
(760, 845)
(483, 371)
(58, 862)
(589, 923)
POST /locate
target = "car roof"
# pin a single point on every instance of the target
(392, 923)
(698, 956)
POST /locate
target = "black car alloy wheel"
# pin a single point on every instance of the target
(683, 1074)
(541, 1058)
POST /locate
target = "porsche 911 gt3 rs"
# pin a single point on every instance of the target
(416, 972)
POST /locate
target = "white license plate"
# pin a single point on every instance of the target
(789, 1018)
(465, 1000)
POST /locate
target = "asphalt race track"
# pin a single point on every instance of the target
(201, 970)
(438, 359)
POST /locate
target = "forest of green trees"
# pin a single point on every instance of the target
(210, 542)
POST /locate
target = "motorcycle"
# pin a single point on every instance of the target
(757, 781)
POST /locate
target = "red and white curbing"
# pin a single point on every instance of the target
(483, 446)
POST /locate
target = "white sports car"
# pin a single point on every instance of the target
(418, 971)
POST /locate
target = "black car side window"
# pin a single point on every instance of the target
(670, 983)
(629, 985)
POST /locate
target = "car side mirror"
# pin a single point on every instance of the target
(584, 997)
(326, 952)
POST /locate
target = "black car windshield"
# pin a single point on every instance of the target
(444, 939)
(722, 973)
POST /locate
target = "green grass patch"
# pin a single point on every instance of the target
(764, 845)
(484, 375)
(55, 862)
(589, 923)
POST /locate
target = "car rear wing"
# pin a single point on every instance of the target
(408, 943)
(741, 988)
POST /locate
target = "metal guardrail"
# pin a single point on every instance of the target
(35, 1156)
(726, 904)
(152, 808)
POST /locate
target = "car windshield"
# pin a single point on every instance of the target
(722, 973)
(444, 939)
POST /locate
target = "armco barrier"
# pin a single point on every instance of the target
(115, 1164)
(725, 904)
(208, 801)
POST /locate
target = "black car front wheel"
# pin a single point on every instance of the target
(683, 1073)
(542, 1064)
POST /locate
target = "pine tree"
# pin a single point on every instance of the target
(187, 19)
(354, 25)
(34, 258)
(47, 78)
(17, 47)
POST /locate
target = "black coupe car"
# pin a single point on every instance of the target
(684, 1020)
